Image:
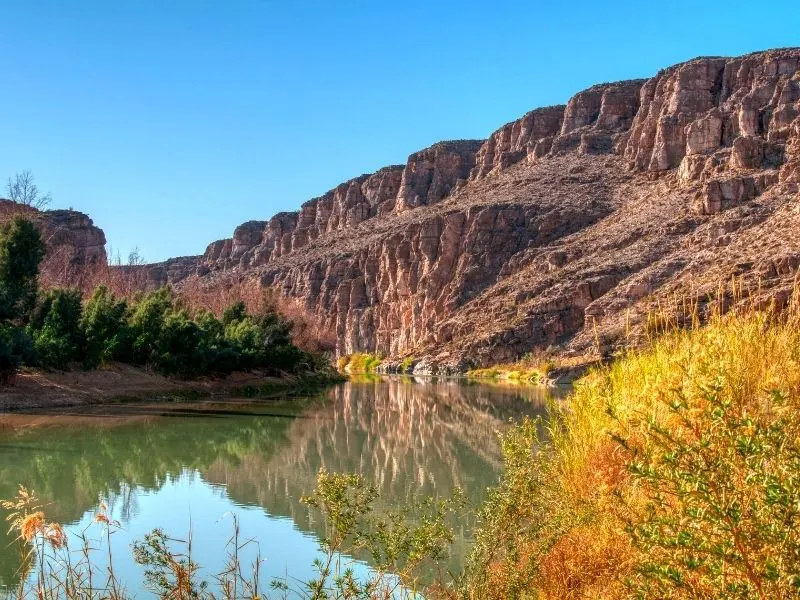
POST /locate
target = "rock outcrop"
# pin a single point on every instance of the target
(69, 235)
(557, 231)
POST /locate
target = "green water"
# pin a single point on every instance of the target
(182, 467)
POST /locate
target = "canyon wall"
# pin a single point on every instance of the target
(543, 234)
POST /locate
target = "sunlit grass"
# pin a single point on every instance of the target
(535, 369)
(359, 363)
(672, 473)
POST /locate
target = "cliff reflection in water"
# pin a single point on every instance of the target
(412, 438)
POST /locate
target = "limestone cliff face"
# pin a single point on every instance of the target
(543, 234)
(531, 135)
(391, 293)
(725, 123)
(427, 177)
(430, 175)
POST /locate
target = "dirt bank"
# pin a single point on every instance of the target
(117, 383)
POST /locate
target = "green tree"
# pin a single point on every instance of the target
(177, 347)
(105, 329)
(21, 253)
(55, 328)
(147, 321)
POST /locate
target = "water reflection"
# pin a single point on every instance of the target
(413, 438)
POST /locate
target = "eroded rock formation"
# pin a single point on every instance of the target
(556, 229)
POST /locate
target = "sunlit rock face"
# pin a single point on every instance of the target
(543, 234)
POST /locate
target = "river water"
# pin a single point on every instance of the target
(191, 467)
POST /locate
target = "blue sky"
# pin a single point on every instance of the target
(172, 122)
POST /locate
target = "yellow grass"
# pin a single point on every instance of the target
(530, 369)
(359, 363)
(587, 511)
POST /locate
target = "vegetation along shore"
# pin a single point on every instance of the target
(59, 346)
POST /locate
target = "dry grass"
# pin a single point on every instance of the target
(536, 368)
(670, 473)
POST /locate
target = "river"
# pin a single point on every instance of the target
(191, 467)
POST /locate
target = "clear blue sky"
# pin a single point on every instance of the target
(170, 122)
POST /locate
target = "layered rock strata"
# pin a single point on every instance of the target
(557, 224)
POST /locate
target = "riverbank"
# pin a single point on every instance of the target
(550, 372)
(547, 373)
(34, 388)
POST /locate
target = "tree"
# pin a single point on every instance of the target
(21, 252)
(55, 328)
(105, 328)
(22, 189)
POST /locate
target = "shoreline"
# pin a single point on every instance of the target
(120, 383)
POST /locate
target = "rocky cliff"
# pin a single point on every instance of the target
(71, 237)
(560, 230)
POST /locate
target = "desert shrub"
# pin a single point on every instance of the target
(406, 364)
(402, 544)
(105, 329)
(55, 328)
(720, 517)
(532, 367)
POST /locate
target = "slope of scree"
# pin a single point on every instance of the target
(561, 230)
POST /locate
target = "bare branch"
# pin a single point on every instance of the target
(22, 189)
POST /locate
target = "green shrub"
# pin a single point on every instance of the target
(234, 313)
(363, 362)
(156, 332)
(16, 348)
(147, 321)
(105, 329)
(263, 342)
(177, 348)
(55, 328)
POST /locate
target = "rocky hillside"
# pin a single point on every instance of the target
(560, 230)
